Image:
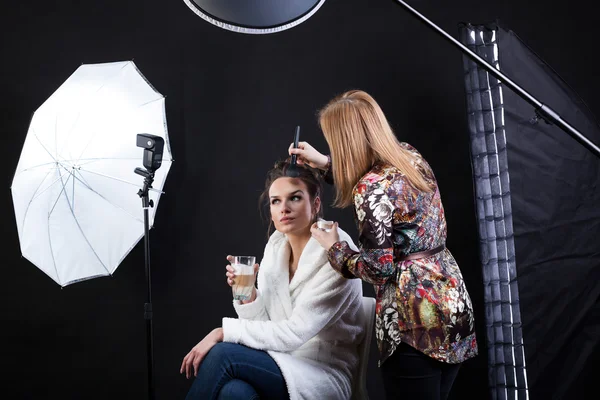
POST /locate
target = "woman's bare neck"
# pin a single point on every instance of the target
(297, 244)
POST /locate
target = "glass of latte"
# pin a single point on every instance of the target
(244, 277)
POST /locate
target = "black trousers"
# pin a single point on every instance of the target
(410, 374)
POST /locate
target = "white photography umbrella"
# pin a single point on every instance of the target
(74, 192)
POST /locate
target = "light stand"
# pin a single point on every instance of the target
(153, 150)
(542, 110)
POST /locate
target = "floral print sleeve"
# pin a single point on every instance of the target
(374, 263)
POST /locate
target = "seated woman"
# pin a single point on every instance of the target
(297, 337)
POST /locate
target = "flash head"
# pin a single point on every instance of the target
(153, 150)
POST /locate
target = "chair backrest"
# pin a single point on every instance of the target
(359, 392)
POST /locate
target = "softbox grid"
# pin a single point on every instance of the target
(485, 107)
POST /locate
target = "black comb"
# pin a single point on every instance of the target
(292, 170)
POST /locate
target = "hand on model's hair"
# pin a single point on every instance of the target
(308, 155)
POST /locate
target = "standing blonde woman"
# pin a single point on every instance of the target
(424, 317)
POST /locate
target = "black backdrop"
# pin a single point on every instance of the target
(232, 104)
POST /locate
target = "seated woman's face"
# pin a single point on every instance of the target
(291, 206)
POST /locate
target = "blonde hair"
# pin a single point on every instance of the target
(359, 135)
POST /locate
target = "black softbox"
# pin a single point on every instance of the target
(538, 209)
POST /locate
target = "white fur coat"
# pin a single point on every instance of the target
(310, 326)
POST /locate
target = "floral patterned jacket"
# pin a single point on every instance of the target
(421, 302)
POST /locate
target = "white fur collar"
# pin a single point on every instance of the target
(275, 266)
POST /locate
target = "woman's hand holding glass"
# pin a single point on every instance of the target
(231, 276)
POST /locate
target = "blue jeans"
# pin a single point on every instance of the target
(233, 371)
